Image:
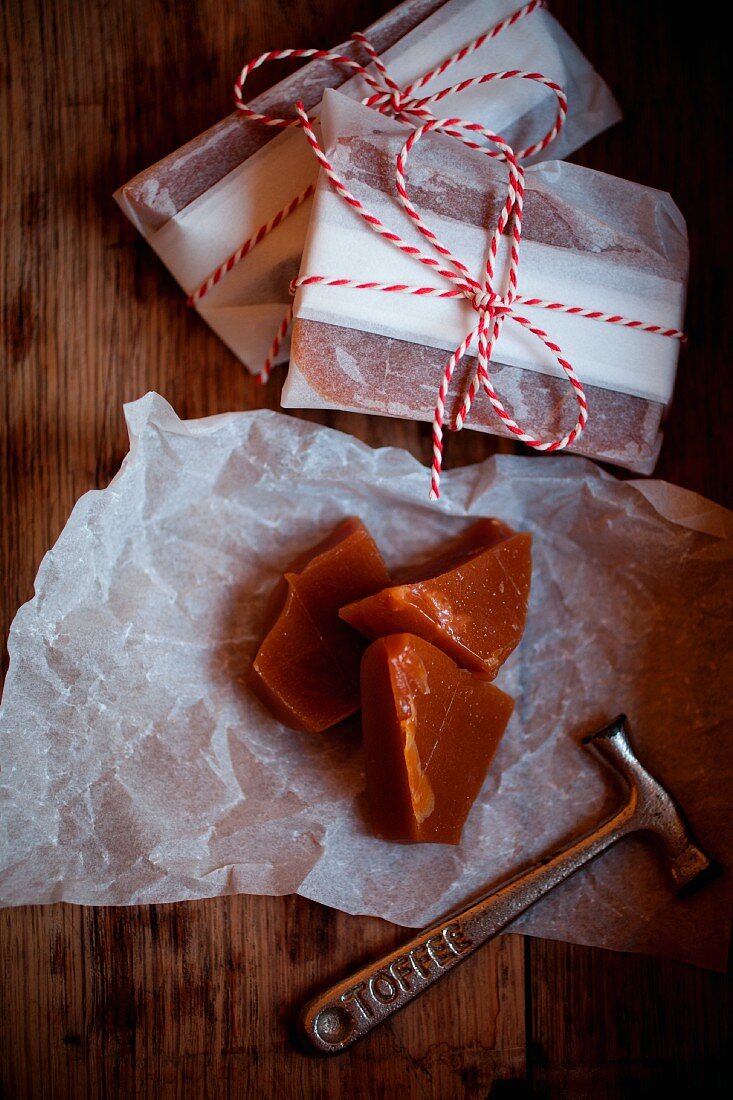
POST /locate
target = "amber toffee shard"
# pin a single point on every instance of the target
(430, 732)
(471, 601)
(307, 668)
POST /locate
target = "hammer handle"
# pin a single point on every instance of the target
(354, 1007)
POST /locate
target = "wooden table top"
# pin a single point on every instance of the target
(195, 1000)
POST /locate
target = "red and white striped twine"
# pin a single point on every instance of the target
(492, 308)
(241, 252)
(387, 97)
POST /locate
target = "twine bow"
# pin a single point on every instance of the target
(386, 97)
(492, 308)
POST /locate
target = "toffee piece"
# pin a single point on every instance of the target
(470, 601)
(430, 732)
(306, 670)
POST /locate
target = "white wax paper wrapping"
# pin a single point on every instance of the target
(246, 307)
(137, 767)
(624, 251)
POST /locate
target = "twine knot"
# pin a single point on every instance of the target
(486, 301)
(387, 96)
(395, 102)
(398, 103)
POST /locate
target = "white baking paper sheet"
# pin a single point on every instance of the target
(137, 767)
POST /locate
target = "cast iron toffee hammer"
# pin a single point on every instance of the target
(350, 1010)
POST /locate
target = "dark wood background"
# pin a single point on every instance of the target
(194, 1000)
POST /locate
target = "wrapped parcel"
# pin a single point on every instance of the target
(202, 202)
(588, 240)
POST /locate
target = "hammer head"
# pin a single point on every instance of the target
(651, 809)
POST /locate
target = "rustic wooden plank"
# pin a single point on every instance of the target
(194, 1000)
(199, 1000)
(605, 1025)
(614, 1026)
(670, 75)
(189, 1000)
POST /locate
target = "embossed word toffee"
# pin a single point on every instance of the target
(419, 964)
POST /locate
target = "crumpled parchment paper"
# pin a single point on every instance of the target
(136, 766)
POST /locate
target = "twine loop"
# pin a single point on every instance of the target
(386, 96)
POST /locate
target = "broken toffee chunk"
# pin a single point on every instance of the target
(430, 732)
(307, 668)
(470, 601)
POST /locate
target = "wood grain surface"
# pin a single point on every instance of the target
(196, 1000)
